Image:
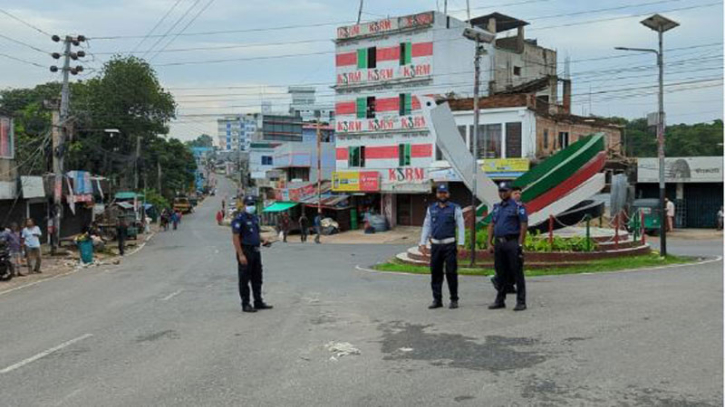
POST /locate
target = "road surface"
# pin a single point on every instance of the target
(165, 329)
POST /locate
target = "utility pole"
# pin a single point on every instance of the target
(158, 176)
(660, 24)
(135, 173)
(319, 169)
(60, 128)
(359, 12)
(474, 143)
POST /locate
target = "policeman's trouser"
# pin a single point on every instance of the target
(444, 254)
(250, 273)
(509, 265)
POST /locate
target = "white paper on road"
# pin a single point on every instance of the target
(341, 349)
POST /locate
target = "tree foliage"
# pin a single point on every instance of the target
(203, 140)
(681, 140)
(126, 97)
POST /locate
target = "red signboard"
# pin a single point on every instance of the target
(369, 181)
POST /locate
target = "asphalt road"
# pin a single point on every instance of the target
(165, 329)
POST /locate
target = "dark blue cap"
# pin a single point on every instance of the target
(504, 186)
(250, 200)
(442, 188)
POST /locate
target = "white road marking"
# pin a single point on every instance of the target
(172, 295)
(44, 354)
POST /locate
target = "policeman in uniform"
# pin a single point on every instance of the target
(507, 232)
(247, 241)
(441, 221)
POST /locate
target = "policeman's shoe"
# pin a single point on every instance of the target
(248, 308)
(262, 306)
(497, 305)
(520, 307)
(453, 305)
(435, 304)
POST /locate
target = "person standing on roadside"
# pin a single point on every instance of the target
(121, 232)
(670, 208)
(31, 240)
(304, 226)
(506, 236)
(283, 225)
(219, 217)
(12, 237)
(441, 221)
(247, 241)
(175, 219)
(318, 227)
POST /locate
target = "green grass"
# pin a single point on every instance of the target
(595, 266)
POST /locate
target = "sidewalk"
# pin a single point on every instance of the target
(692, 234)
(399, 235)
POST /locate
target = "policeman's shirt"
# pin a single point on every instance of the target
(507, 217)
(247, 227)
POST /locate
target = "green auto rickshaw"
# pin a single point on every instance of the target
(649, 210)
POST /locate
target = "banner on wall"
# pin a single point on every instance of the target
(355, 181)
(505, 168)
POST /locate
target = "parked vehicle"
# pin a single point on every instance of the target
(650, 209)
(7, 269)
(182, 204)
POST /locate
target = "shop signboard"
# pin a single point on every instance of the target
(681, 169)
(355, 181)
(444, 175)
(505, 168)
(385, 25)
(406, 180)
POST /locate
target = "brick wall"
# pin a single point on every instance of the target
(545, 146)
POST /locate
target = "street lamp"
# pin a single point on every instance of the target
(478, 36)
(660, 24)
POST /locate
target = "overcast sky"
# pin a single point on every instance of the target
(585, 31)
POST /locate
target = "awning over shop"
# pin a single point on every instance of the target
(329, 201)
(125, 205)
(280, 206)
(127, 195)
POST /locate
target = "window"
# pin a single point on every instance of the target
(365, 108)
(405, 104)
(403, 155)
(563, 139)
(517, 70)
(489, 140)
(405, 53)
(546, 139)
(367, 58)
(356, 156)
(513, 140)
(266, 160)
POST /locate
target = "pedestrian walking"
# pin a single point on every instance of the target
(283, 225)
(304, 226)
(121, 234)
(720, 219)
(318, 227)
(219, 217)
(175, 219)
(506, 235)
(442, 220)
(13, 239)
(31, 240)
(247, 240)
(670, 208)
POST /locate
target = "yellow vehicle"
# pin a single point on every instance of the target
(182, 204)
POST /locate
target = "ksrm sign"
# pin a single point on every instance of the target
(681, 169)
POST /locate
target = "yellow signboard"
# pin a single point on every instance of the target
(497, 165)
(345, 181)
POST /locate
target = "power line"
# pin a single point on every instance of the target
(24, 44)
(161, 37)
(183, 29)
(23, 60)
(25, 23)
(158, 23)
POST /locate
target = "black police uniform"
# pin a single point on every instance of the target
(443, 249)
(247, 227)
(507, 217)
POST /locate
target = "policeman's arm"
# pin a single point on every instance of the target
(236, 241)
(425, 233)
(524, 221)
(490, 233)
(461, 226)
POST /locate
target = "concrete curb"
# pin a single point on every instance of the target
(697, 263)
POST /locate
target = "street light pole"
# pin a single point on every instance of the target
(660, 24)
(474, 144)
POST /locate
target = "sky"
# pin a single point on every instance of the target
(276, 43)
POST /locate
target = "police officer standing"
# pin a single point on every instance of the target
(506, 234)
(441, 221)
(247, 241)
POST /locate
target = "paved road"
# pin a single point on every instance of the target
(165, 329)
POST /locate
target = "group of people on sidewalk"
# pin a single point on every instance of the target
(24, 245)
(169, 216)
(284, 223)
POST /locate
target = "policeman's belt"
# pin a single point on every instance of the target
(443, 241)
(504, 239)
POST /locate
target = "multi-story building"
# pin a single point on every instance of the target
(304, 104)
(236, 132)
